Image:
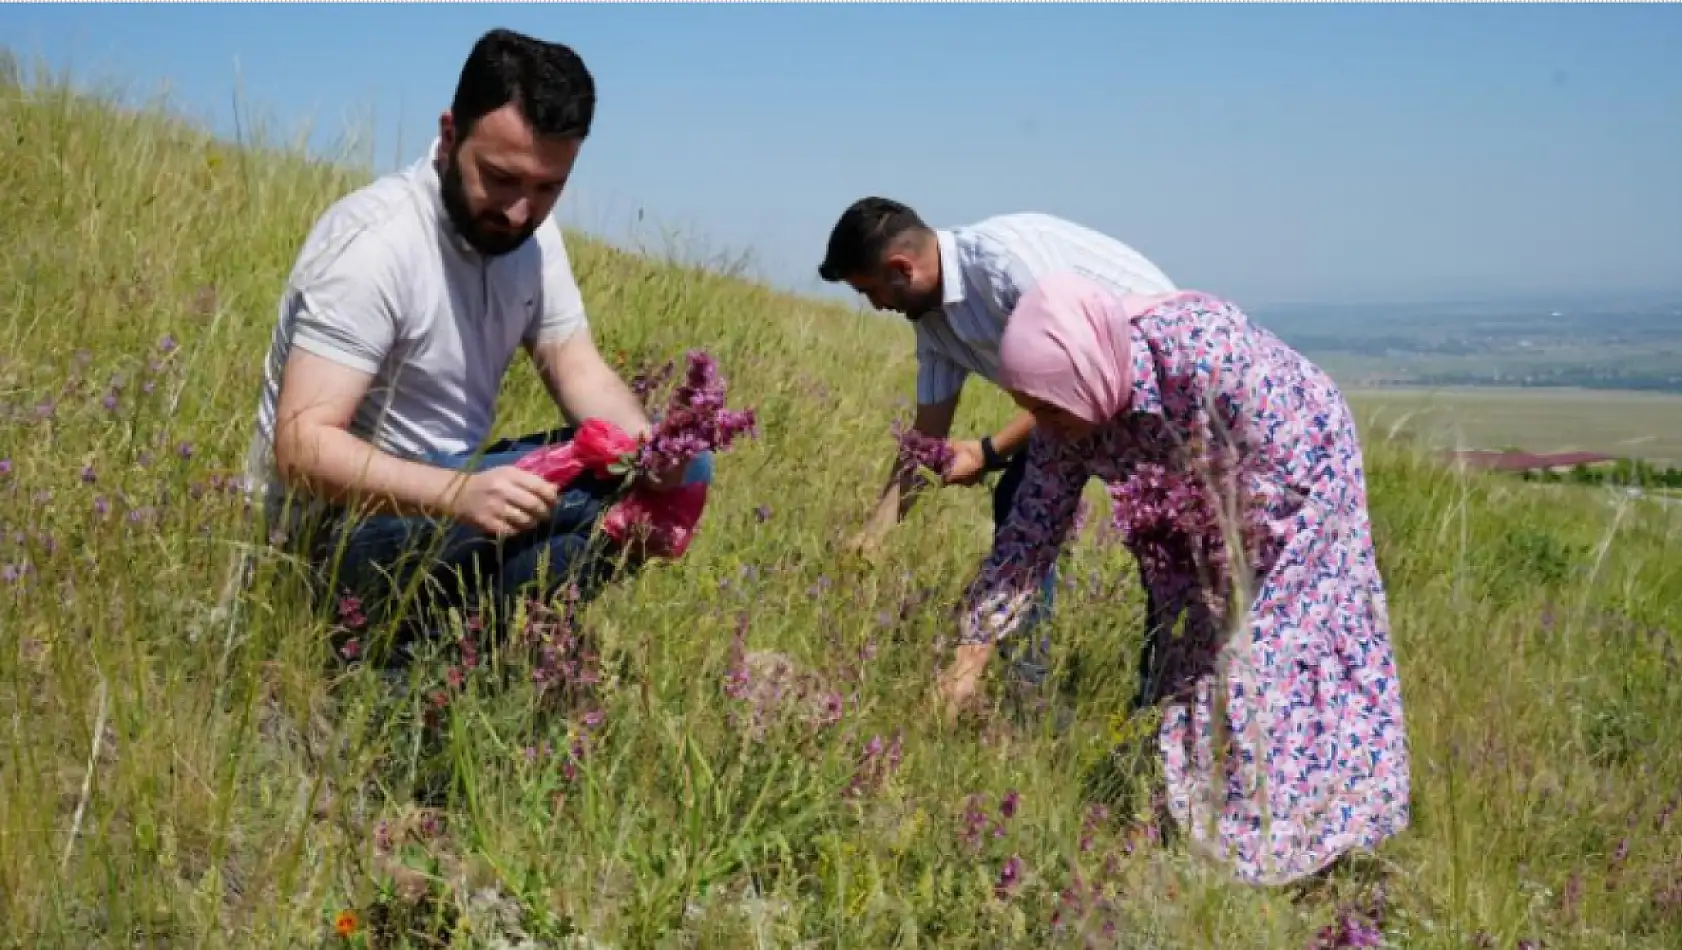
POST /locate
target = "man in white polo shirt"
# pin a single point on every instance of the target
(958, 287)
(401, 316)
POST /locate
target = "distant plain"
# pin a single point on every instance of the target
(1645, 425)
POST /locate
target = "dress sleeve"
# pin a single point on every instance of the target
(1028, 545)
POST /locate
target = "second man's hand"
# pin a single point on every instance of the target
(969, 463)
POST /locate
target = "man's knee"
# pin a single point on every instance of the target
(700, 470)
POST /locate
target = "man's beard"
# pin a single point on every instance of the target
(471, 228)
(916, 306)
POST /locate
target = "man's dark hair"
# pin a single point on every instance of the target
(547, 82)
(866, 231)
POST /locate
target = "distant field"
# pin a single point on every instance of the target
(1638, 425)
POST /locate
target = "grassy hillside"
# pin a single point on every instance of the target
(166, 781)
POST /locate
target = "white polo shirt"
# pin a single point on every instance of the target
(384, 284)
(987, 267)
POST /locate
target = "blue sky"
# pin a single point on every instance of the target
(1271, 153)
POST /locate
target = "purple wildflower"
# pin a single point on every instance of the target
(976, 824)
(431, 824)
(1172, 515)
(878, 761)
(918, 451)
(1010, 875)
(1096, 815)
(831, 709)
(5, 467)
(350, 611)
(736, 679)
(696, 420)
(1357, 925)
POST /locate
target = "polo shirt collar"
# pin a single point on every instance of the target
(951, 269)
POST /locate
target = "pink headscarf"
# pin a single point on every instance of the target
(1069, 343)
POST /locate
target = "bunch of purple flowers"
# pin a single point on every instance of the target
(1175, 516)
(918, 451)
(695, 419)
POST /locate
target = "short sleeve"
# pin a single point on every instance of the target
(560, 312)
(345, 306)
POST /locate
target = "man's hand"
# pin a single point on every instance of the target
(969, 463)
(960, 683)
(504, 501)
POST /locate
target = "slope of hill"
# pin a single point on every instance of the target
(170, 782)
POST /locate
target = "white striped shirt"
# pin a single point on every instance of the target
(987, 267)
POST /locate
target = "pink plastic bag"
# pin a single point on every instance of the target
(662, 523)
(598, 445)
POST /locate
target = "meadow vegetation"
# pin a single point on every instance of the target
(733, 750)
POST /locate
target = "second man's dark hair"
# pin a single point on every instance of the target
(863, 235)
(547, 82)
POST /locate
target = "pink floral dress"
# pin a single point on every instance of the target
(1283, 743)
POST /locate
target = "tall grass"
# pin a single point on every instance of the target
(743, 752)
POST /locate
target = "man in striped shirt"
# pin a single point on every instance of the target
(958, 287)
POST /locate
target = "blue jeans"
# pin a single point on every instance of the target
(1033, 664)
(378, 559)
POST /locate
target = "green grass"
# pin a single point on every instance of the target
(229, 787)
(1629, 424)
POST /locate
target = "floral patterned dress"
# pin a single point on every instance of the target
(1282, 735)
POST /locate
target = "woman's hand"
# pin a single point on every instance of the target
(962, 680)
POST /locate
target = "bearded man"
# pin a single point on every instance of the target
(398, 323)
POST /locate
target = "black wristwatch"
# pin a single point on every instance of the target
(991, 460)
